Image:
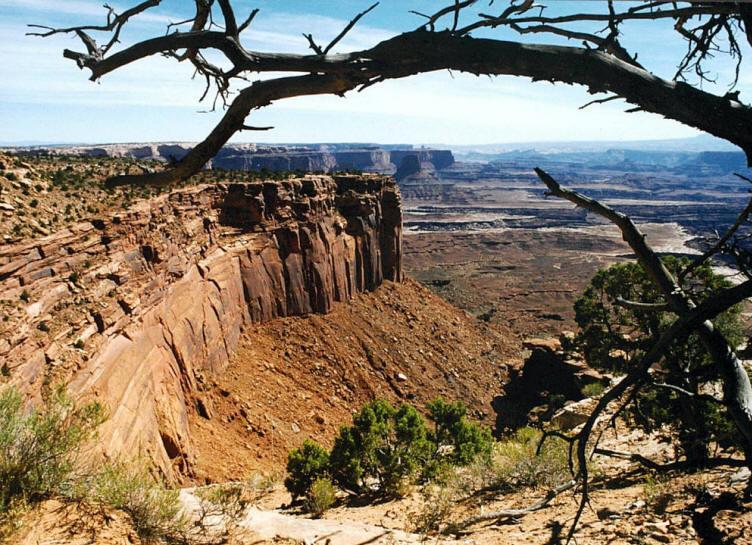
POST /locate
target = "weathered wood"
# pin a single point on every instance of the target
(515, 513)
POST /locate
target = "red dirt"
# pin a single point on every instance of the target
(295, 378)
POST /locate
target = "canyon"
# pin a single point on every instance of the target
(139, 308)
(402, 161)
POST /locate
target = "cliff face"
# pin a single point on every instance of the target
(139, 309)
(315, 158)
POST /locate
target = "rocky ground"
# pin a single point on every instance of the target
(295, 378)
(629, 506)
(40, 195)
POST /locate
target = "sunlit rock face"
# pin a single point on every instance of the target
(139, 308)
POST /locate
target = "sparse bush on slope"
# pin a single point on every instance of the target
(321, 496)
(39, 447)
(154, 510)
(40, 458)
(516, 462)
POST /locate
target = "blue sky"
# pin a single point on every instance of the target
(45, 98)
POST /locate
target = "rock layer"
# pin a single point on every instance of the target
(310, 158)
(139, 309)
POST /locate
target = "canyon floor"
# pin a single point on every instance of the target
(525, 279)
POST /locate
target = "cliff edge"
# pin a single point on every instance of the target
(137, 308)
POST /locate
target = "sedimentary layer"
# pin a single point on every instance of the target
(138, 309)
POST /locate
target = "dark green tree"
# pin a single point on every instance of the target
(304, 466)
(621, 315)
(455, 438)
(385, 446)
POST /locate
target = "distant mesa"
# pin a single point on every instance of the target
(403, 161)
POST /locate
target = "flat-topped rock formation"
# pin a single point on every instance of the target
(403, 161)
(139, 307)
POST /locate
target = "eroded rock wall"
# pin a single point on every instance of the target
(141, 308)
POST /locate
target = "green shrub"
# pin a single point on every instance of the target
(656, 494)
(515, 462)
(39, 447)
(227, 503)
(154, 510)
(594, 389)
(384, 445)
(304, 466)
(320, 496)
(386, 449)
(454, 437)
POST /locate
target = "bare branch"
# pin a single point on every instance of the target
(516, 513)
(248, 21)
(737, 388)
(349, 27)
(721, 243)
(231, 25)
(637, 305)
(687, 393)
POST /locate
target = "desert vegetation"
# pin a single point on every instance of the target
(387, 449)
(46, 453)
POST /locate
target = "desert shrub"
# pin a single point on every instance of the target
(229, 500)
(594, 389)
(130, 487)
(656, 494)
(515, 462)
(226, 504)
(263, 483)
(612, 336)
(387, 449)
(384, 445)
(455, 437)
(304, 466)
(39, 447)
(438, 501)
(320, 496)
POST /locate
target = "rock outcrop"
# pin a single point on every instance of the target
(548, 379)
(139, 308)
(312, 158)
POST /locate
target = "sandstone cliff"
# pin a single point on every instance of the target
(138, 308)
(309, 158)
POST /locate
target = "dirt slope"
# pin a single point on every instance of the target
(295, 378)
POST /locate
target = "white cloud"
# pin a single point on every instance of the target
(433, 107)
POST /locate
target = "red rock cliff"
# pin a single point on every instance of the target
(138, 309)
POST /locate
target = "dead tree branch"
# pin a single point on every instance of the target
(601, 67)
(516, 513)
(737, 389)
(720, 243)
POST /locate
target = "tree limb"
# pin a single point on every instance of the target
(718, 246)
(515, 513)
(637, 305)
(737, 389)
(431, 51)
